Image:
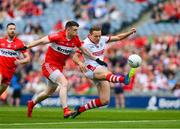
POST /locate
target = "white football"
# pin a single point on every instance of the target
(134, 60)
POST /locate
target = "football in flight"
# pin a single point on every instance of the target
(134, 60)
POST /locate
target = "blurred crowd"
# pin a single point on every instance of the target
(88, 12)
(167, 12)
(18, 9)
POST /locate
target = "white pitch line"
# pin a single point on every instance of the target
(92, 122)
(92, 128)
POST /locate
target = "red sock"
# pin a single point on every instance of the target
(90, 105)
(113, 78)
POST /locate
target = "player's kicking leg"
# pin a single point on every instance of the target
(104, 97)
(129, 75)
(102, 73)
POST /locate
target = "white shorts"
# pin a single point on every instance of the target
(52, 80)
(51, 84)
(90, 72)
(52, 72)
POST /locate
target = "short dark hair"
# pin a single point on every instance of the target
(11, 23)
(70, 24)
(94, 28)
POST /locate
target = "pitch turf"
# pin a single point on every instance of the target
(11, 117)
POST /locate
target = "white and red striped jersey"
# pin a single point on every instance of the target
(8, 55)
(96, 49)
(60, 48)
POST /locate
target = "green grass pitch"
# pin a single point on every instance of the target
(11, 117)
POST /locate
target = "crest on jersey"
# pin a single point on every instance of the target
(67, 43)
(8, 46)
(72, 44)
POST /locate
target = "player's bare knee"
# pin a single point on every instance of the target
(64, 84)
(104, 75)
(50, 91)
(100, 76)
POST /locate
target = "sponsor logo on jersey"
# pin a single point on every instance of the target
(62, 49)
(8, 53)
(98, 53)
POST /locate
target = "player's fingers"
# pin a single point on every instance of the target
(16, 62)
(133, 29)
(83, 69)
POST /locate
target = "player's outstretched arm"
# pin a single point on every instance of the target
(76, 59)
(41, 41)
(122, 36)
(87, 53)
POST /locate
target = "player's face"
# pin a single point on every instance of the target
(73, 31)
(95, 36)
(11, 29)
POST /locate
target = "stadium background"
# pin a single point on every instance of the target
(157, 41)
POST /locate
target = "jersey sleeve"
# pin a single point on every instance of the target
(22, 44)
(53, 37)
(106, 38)
(78, 51)
(78, 43)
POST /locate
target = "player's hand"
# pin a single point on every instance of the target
(17, 62)
(133, 30)
(82, 67)
(23, 48)
(101, 62)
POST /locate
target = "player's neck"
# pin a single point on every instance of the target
(68, 37)
(10, 39)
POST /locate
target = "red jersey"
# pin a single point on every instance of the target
(60, 48)
(8, 55)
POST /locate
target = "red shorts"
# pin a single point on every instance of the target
(6, 75)
(48, 69)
